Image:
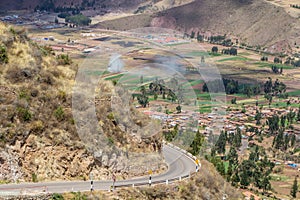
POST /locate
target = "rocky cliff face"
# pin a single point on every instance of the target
(38, 136)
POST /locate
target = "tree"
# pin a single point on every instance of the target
(293, 140)
(199, 37)
(232, 156)
(245, 181)
(298, 114)
(246, 172)
(214, 49)
(273, 123)
(268, 86)
(294, 189)
(237, 141)
(258, 117)
(143, 90)
(178, 108)
(277, 60)
(170, 135)
(233, 101)
(143, 100)
(193, 34)
(197, 143)
(221, 143)
(264, 58)
(233, 51)
(235, 179)
(221, 168)
(229, 172)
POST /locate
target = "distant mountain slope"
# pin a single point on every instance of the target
(255, 22)
(31, 4)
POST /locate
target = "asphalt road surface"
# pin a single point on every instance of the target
(180, 166)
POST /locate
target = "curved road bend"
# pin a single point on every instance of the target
(179, 165)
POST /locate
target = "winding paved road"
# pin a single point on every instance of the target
(180, 166)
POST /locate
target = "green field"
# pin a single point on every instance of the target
(266, 64)
(204, 96)
(295, 93)
(233, 58)
(195, 82)
(177, 44)
(205, 109)
(197, 53)
(114, 77)
(276, 177)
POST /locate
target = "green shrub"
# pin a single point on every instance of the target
(63, 59)
(3, 54)
(24, 95)
(110, 141)
(34, 178)
(47, 50)
(56, 196)
(111, 116)
(24, 113)
(59, 113)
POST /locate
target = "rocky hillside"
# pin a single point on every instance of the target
(38, 136)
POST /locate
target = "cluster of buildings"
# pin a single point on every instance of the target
(42, 20)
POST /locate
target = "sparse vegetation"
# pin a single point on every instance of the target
(64, 59)
(24, 114)
(59, 113)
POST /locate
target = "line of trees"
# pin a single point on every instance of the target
(49, 5)
(231, 87)
(295, 6)
(231, 51)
